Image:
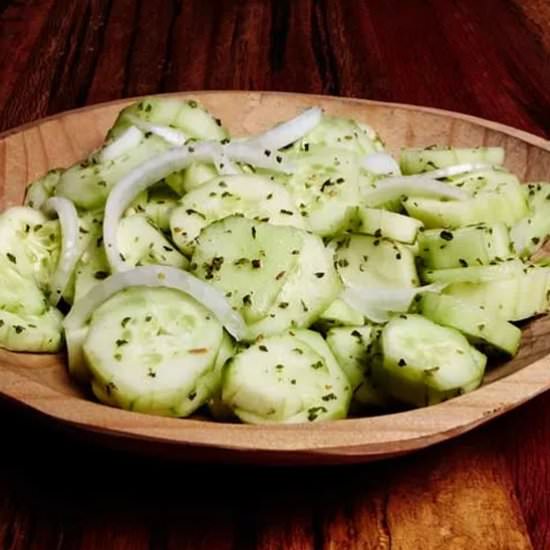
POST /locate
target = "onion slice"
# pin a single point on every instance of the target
(457, 170)
(168, 134)
(388, 189)
(378, 304)
(68, 221)
(380, 164)
(139, 179)
(157, 276)
(288, 132)
(256, 156)
(130, 138)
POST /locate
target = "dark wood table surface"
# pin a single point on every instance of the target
(489, 489)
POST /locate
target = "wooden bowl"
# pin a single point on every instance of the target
(41, 383)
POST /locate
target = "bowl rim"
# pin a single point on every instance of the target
(352, 438)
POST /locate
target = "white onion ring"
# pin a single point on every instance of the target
(157, 276)
(457, 170)
(68, 221)
(380, 164)
(168, 134)
(288, 132)
(130, 138)
(377, 304)
(388, 189)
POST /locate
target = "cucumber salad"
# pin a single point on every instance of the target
(298, 275)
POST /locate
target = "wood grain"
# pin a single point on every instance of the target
(486, 58)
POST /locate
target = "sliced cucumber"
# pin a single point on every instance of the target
(40, 190)
(325, 187)
(310, 288)
(339, 313)
(287, 378)
(192, 177)
(353, 348)
(186, 115)
(381, 223)
(476, 323)
(416, 161)
(425, 363)
(505, 203)
(30, 242)
(468, 246)
(254, 197)
(476, 274)
(32, 333)
(340, 133)
(141, 244)
(88, 184)
(365, 261)
(157, 206)
(519, 297)
(153, 350)
(250, 261)
(90, 269)
(218, 409)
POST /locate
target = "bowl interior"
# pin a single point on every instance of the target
(42, 381)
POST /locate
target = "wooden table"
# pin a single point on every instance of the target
(490, 489)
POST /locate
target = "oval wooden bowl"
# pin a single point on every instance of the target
(41, 383)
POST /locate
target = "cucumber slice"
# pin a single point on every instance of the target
(417, 161)
(381, 223)
(153, 350)
(142, 244)
(424, 363)
(186, 115)
(339, 313)
(24, 331)
(40, 190)
(475, 274)
(482, 181)
(218, 409)
(520, 297)
(88, 184)
(250, 261)
(476, 245)
(27, 321)
(325, 186)
(276, 276)
(91, 268)
(310, 288)
(252, 196)
(480, 326)
(30, 242)
(340, 133)
(192, 177)
(365, 261)
(506, 204)
(286, 378)
(353, 348)
(157, 206)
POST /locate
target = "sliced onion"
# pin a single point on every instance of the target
(421, 186)
(288, 132)
(129, 139)
(168, 134)
(457, 170)
(380, 164)
(139, 179)
(157, 276)
(224, 166)
(68, 220)
(378, 304)
(262, 158)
